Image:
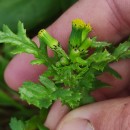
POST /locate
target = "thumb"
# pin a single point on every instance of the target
(106, 115)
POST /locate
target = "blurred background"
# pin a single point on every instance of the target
(35, 14)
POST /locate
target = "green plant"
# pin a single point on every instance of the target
(70, 77)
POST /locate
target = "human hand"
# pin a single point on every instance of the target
(110, 20)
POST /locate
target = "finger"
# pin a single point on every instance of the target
(57, 112)
(117, 86)
(107, 25)
(107, 115)
(20, 70)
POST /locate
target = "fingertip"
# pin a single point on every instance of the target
(77, 124)
(105, 115)
(57, 112)
(19, 70)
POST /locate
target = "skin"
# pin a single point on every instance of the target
(110, 20)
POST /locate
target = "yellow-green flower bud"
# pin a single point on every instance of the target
(78, 27)
(64, 61)
(48, 39)
(86, 31)
(73, 54)
(58, 64)
(78, 24)
(85, 45)
(88, 27)
(79, 33)
(81, 61)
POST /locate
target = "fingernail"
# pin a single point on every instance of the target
(77, 124)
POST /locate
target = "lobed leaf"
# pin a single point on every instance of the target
(122, 51)
(16, 124)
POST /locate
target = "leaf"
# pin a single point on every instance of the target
(122, 51)
(125, 55)
(98, 57)
(41, 127)
(42, 97)
(17, 124)
(99, 44)
(6, 100)
(68, 97)
(21, 40)
(22, 43)
(112, 72)
(7, 30)
(87, 99)
(87, 81)
(36, 94)
(65, 75)
(37, 61)
(48, 83)
(99, 84)
(43, 47)
(74, 100)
